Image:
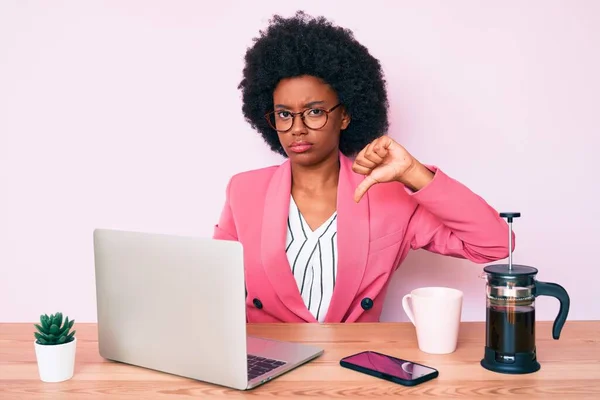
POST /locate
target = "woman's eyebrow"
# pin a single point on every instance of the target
(307, 105)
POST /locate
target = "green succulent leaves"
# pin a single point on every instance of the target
(52, 330)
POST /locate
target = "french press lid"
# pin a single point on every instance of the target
(499, 274)
(510, 271)
(505, 283)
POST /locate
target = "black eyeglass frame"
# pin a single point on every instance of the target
(302, 116)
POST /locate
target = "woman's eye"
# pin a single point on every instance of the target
(315, 112)
(283, 114)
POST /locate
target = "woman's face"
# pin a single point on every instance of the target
(308, 142)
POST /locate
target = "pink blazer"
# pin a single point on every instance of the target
(374, 236)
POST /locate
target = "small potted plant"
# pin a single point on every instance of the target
(55, 346)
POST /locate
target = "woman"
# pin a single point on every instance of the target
(323, 233)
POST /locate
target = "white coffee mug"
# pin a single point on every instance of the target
(436, 313)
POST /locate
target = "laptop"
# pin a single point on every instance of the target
(176, 304)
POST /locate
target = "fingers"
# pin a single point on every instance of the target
(359, 169)
(364, 162)
(381, 148)
(367, 161)
(378, 149)
(386, 141)
(362, 188)
(375, 176)
(375, 153)
(372, 155)
(367, 158)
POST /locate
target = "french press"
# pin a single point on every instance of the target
(510, 314)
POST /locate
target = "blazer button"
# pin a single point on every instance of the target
(257, 303)
(366, 303)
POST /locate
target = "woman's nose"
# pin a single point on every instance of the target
(298, 126)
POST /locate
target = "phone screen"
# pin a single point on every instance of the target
(384, 364)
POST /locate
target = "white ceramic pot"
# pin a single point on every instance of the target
(56, 362)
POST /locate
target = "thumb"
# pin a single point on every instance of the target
(362, 188)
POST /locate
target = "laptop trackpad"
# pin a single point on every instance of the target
(289, 352)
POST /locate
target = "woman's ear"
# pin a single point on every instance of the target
(345, 119)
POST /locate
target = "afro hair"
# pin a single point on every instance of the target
(304, 45)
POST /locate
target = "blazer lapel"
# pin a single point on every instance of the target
(273, 238)
(353, 242)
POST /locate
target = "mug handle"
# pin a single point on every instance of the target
(407, 309)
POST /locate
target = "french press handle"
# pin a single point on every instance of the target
(557, 291)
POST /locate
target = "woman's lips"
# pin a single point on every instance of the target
(300, 147)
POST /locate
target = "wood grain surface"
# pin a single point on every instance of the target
(570, 367)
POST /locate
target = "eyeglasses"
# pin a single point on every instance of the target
(313, 118)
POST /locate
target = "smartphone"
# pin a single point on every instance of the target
(390, 368)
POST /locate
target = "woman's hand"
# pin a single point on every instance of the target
(384, 160)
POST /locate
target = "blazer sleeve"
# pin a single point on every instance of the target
(225, 229)
(452, 220)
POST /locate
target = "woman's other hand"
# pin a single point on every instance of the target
(384, 160)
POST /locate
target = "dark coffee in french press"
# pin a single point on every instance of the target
(510, 313)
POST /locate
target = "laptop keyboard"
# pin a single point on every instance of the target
(258, 366)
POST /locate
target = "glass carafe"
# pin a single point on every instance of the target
(510, 312)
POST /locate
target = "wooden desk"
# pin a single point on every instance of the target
(570, 367)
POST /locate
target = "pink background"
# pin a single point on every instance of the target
(121, 114)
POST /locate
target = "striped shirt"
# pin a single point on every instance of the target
(312, 256)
